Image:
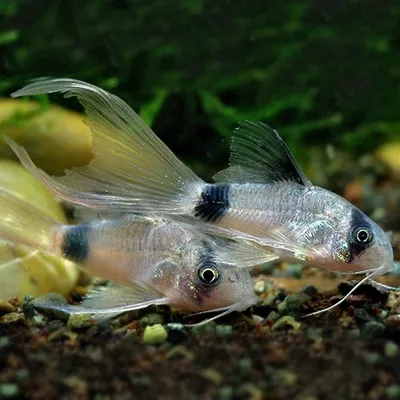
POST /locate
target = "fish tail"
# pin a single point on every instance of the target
(22, 223)
(132, 169)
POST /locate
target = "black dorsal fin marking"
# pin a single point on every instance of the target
(259, 155)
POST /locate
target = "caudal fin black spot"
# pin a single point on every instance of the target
(75, 246)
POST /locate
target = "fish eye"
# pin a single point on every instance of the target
(362, 235)
(209, 275)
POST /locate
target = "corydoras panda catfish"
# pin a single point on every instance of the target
(263, 195)
(154, 260)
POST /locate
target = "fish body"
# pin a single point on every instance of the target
(156, 260)
(263, 196)
(308, 224)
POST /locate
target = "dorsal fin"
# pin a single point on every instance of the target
(259, 155)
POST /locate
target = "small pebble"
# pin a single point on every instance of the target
(391, 349)
(257, 319)
(393, 321)
(295, 270)
(288, 378)
(38, 320)
(354, 333)
(310, 290)
(212, 375)
(245, 366)
(62, 332)
(79, 321)
(6, 307)
(208, 328)
(285, 322)
(4, 341)
(225, 393)
(260, 287)
(176, 332)
(370, 357)
(272, 316)
(382, 314)
(151, 319)
(21, 374)
(8, 390)
(270, 299)
(223, 330)
(362, 315)
(27, 307)
(291, 305)
(11, 318)
(180, 352)
(314, 333)
(372, 329)
(393, 392)
(154, 334)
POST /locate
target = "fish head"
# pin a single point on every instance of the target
(211, 285)
(361, 245)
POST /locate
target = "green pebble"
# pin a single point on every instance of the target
(245, 366)
(270, 299)
(28, 309)
(288, 378)
(4, 341)
(310, 290)
(223, 330)
(371, 357)
(291, 305)
(208, 328)
(295, 270)
(8, 390)
(391, 349)
(286, 321)
(79, 321)
(362, 315)
(393, 392)
(272, 316)
(314, 334)
(12, 318)
(151, 319)
(21, 374)
(154, 334)
(225, 393)
(281, 307)
(372, 329)
(257, 319)
(382, 315)
(260, 287)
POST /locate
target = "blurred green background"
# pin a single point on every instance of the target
(318, 71)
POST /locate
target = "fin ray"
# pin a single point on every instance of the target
(131, 168)
(259, 155)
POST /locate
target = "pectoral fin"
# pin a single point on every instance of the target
(107, 302)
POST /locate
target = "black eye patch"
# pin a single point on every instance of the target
(361, 235)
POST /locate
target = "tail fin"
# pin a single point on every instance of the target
(23, 223)
(132, 168)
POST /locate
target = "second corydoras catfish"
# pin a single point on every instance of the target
(263, 196)
(154, 260)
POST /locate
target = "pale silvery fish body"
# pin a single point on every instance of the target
(263, 196)
(311, 225)
(156, 260)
